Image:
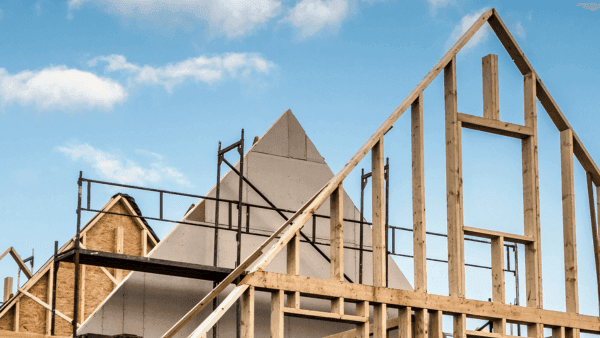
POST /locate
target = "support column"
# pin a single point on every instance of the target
(498, 294)
(293, 268)
(336, 238)
(248, 313)
(277, 314)
(119, 250)
(421, 323)
(460, 326)
(405, 322)
(418, 195)
(535, 331)
(491, 103)
(379, 245)
(362, 330)
(435, 324)
(569, 231)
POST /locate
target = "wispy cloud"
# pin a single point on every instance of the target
(60, 87)
(116, 167)
(201, 69)
(438, 3)
(311, 16)
(465, 23)
(230, 17)
(520, 30)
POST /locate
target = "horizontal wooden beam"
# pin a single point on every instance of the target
(326, 316)
(328, 289)
(483, 334)
(494, 126)
(491, 234)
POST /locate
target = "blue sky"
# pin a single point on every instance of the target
(140, 92)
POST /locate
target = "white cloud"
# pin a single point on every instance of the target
(520, 30)
(123, 170)
(230, 17)
(201, 69)
(310, 16)
(438, 3)
(60, 87)
(465, 23)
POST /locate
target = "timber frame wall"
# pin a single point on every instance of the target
(428, 308)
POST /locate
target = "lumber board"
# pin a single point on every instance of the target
(498, 294)
(558, 332)
(491, 234)
(362, 329)
(277, 314)
(336, 233)
(569, 229)
(592, 206)
(509, 43)
(494, 126)
(459, 324)
(293, 268)
(482, 334)
(328, 289)
(421, 323)
(248, 313)
(491, 103)
(325, 316)
(418, 195)
(378, 235)
(435, 324)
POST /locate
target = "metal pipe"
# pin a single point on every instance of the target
(362, 205)
(238, 312)
(161, 205)
(386, 174)
(216, 238)
(76, 274)
(517, 283)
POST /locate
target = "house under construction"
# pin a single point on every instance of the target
(277, 248)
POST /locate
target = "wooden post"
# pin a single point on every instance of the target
(571, 332)
(277, 314)
(460, 326)
(8, 285)
(17, 314)
(405, 322)
(248, 313)
(535, 330)
(293, 268)
(590, 186)
(362, 330)
(558, 332)
(531, 202)
(435, 324)
(379, 245)
(82, 284)
(498, 295)
(421, 325)
(500, 326)
(49, 299)
(418, 195)
(453, 179)
(144, 242)
(569, 230)
(491, 103)
(119, 250)
(336, 238)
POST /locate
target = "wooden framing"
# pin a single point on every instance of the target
(491, 102)
(418, 195)
(119, 250)
(362, 329)
(435, 324)
(8, 284)
(293, 268)
(534, 316)
(13, 253)
(336, 248)
(594, 229)
(248, 313)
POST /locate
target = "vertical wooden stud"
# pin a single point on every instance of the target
(558, 332)
(535, 330)
(453, 179)
(17, 314)
(531, 201)
(336, 248)
(491, 103)
(293, 268)
(405, 322)
(248, 313)
(571, 332)
(590, 186)
(82, 285)
(569, 233)
(379, 245)
(500, 326)
(8, 285)
(421, 325)
(435, 324)
(144, 242)
(362, 330)
(277, 314)
(418, 195)
(49, 299)
(498, 295)
(119, 250)
(460, 326)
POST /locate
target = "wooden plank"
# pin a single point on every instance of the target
(571, 332)
(119, 250)
(293, 268)
(509, 43)
(48, 307)
(17, 322)
(248, 313)
(20, 263)
(494, 127)
(592, 206)
(49, 297)
(585, 159)
(362, 329)
(500, 326)
(82, 287)
(498, 293)
(569, 230)
(482, 334)
(326, 316)
(459, 324)
(328, 289)
(484, 233)
(421, 323)
(336, 248)
(531, 204)
(418, 195)
(144, 242)
(378, 236)
(8, 284)
(535, 331)
(405, 322)
(435, 324)
(489, 72)
(455, 270)
(558, 332)
(277, 322)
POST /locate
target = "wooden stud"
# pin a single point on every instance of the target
(495, 127)
(144, 242)
(336, 249)
(82, 286)
(435, 324)
(498, 294)
(592, 206)
(535, 330)
(277, 314)
(378, 241)
(119, 250)
(531, 210)
(418, 195)
(500, 326)
(569, 230)
(421, 324)
(8, 284)
(453, 178)
(362, 329)
(49, 298)
(45, 305)
(405, 322)
(293, 268)
(460, 326)
(491, 103)
(558, 332)
(248, 313)
(461, 233)
(17, 315)
(571, 332)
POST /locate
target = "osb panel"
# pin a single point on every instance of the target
(64, 297)
(32, 316)
(25, 335)
(7, 322)
(97, 287)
